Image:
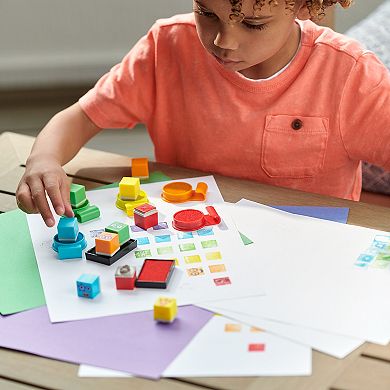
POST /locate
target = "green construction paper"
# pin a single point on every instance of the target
(20, 284)
(154, 177)
(245, 239)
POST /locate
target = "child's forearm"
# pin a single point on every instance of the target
(64, 135)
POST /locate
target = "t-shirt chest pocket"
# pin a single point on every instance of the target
(294, 146)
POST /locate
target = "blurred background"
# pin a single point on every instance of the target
(53, 51)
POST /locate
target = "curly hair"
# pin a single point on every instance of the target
(315, 7)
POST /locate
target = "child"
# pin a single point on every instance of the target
(245, 88)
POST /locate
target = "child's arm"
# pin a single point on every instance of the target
(57, 143)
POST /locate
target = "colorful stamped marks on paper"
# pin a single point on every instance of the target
(377, 255)
(238, 328)
(199, 252)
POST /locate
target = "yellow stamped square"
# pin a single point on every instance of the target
(217, 268)
(192, 259)
(213, 256)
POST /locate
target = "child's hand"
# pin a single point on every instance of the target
(44, 175)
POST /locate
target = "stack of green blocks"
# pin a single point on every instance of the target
(83, 211)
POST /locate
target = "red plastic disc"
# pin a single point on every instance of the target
(188, 220)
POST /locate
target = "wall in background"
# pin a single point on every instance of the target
(55, 42)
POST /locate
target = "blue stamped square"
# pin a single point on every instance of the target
(164, 238)
(184, 235)
(205, 232)
(143, 241)
(364, 258)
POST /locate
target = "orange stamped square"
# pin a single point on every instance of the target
(232, 328)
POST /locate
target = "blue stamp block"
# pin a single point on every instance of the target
(143, 241)
(205, 232)
(165, 238)
(161, 226)
(68, 229)
(88, 286)
(184, 235)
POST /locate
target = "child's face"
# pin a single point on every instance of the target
(256, 47)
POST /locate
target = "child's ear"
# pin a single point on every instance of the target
(303, 12)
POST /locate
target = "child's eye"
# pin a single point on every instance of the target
(203, 12)
(255, 26)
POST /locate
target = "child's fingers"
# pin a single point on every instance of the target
(65, 192)
(52, 188)
(39, 197)
(24, 199)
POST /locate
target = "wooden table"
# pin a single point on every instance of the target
(366, 368)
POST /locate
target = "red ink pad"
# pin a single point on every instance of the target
(155, 273)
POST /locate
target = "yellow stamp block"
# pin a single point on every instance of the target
(165, 309)
(107, 244)
(129, 188)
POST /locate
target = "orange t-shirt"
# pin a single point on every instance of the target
(308, 128)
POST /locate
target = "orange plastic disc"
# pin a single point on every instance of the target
(177, 192)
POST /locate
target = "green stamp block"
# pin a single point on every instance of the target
(87, 213)
(142, 254)
(77, 195)
(209, 244)
(164, 250)
(121, 229)
(189, 246)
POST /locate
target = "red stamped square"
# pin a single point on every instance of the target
(256, 347)
(222, 281)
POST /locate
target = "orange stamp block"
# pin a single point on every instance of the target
(140, 168)
(107, 244)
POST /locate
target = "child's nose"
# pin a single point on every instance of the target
(225, 38)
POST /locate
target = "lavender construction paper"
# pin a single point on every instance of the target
(133, 343)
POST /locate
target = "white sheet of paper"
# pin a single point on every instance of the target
(331, 344)
(310, 277)
(59, 277)
(221, 349)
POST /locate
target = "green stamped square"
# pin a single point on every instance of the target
(189, 246)
(164, 250)
(209, 244)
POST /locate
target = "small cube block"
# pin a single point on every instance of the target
(129, 188)
(125, 277)
(121, 229)
(107, 244)
(165, 309)
(145, 216)
(140, 168)
(77, 195)
(88, 286)
(68, 229)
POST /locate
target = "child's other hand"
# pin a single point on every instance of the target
(44, 175)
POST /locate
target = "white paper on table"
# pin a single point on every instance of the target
(310, 277)
(59, 277)
(216, 352)
(330, 344)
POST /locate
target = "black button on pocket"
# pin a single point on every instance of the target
(297, 124)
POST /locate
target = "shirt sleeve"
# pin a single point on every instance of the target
(125, 95)
(365, 112)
